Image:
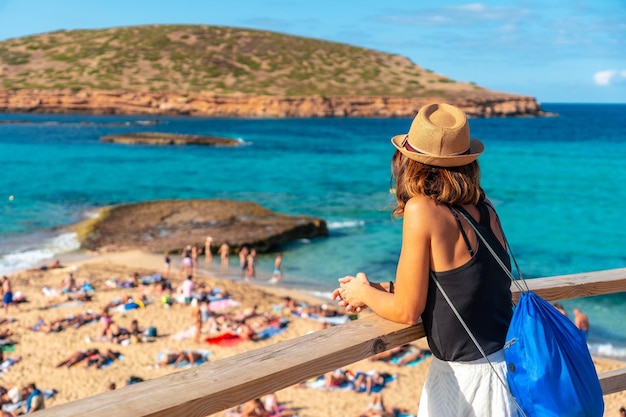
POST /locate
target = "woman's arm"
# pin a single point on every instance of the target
(406, 304)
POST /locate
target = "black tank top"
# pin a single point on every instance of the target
(480, 291)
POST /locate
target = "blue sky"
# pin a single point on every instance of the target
(554, 50)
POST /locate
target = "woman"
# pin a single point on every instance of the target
(437, 175)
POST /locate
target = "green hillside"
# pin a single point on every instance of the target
(219, 60)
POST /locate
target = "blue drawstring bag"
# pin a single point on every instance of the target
(550, 370)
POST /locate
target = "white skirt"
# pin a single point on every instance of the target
(467, 389)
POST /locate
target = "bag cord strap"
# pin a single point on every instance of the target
(523, 287)
(458, 315)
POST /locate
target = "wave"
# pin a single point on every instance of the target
(608, 350)
(346, 224)
(29, 256)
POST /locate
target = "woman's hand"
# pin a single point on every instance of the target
(348, 292)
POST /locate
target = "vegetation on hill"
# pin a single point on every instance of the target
(213, 59)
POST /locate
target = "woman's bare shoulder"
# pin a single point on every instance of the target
(424, 209)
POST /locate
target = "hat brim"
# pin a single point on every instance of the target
(476, 148)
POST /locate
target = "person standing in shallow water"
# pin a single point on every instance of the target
(243, 261)
(208, 255)
(437, 176)
(582, 322)
(277, 273)
(224, 252)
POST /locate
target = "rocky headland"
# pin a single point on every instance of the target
(212, 105)
(162, 139)
(170, 225)
(216, 71)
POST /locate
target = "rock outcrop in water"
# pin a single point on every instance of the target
(159, 138)
(170, 225)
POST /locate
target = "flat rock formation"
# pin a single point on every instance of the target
(481, 104)
(159, 138)
(170, 225)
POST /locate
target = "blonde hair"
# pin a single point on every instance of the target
(452, 185)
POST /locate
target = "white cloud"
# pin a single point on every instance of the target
(472, 7)
(607, 77)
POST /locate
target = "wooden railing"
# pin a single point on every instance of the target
(216, 386)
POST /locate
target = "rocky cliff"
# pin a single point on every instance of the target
(210, 105)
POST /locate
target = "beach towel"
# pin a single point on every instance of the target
(398, 358)
(277, 327)
(223, 303)
(225, 339)
(50, 292)
(8, 363)
(184, 334)
(110, 361)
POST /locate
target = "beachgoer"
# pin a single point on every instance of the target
(168, 357)
(187, 288)
(243, 260)
(112, 386)
(196, 316)
(622, 412)
(270, 402)
(414, 353)
(208, 255)
(195, 252)
(254, 408)
(76, 357)
(98, 360)
(582, 322)
(69, 284)
(377, 408)
(560, 308)
(7, 295)
(277, 274)
(186, 263)
(251, 265)
(35, 399)
(437, 176)
(190, 356)
(52, 265)
(224, 253)
(167, 267)
(136, 332)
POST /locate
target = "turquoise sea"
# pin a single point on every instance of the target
(558, 184)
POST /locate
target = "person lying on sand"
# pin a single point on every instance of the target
(42, 326)
(76, 357)
(377, 408)
(388, 355)
(176, 357)
(98, 359)
(190, 356)
(52, 265)
(92, 356)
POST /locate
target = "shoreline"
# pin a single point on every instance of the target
(39, 352)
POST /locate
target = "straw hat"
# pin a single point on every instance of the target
(439, 136)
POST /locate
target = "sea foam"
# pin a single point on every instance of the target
(31, 255)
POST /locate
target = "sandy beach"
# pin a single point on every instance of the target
(40, 352)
